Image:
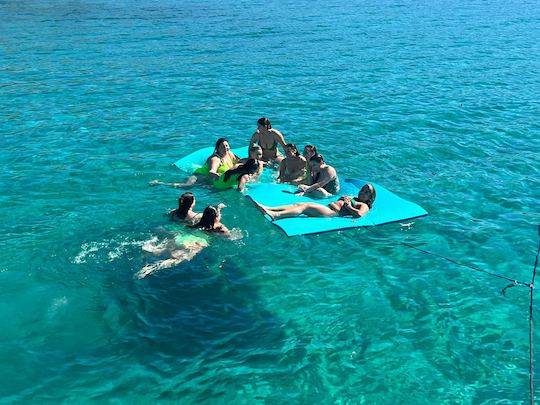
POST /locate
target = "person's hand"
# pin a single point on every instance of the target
(300, 193)
(153, 183)
(221, 206)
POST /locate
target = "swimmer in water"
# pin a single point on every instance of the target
(185, 212)
(211, 221)
(185, 246)
(346, 206)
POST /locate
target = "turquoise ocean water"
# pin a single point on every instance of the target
(437, 101)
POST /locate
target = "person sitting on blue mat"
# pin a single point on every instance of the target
(217, 163)
(211, 221)
(220, 161)
(309, 152)
(292, 169)
(238, 176)
(324, 180)
(268, 139)
(345, 206)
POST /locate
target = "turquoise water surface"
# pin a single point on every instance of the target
(436, 101)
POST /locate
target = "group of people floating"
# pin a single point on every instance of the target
(308, 171)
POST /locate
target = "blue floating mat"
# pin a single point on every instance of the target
(198, 158)
(387, 208)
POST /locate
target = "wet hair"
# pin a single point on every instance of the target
(250, 167)
(265, 122)
(208, 219)
(185, 202)
(317, 158)
(219, 142)
(312, 148)
(254, 148)
(293, 146)
(372, 195)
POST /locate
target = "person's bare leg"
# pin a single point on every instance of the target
(189, 182)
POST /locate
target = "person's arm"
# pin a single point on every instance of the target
(280, 138)
(254, 139)
(353, 210)
(282, 168)
(325, 178)
(223, 230)
(213, 164)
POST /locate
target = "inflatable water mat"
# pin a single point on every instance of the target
(198, 158)
(387, 208)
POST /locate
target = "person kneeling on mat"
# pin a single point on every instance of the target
(324, 181)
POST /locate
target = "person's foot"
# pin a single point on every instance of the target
(264, 210)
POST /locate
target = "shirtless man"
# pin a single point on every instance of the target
(268, 139)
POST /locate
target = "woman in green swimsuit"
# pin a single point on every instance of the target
(346, 206)
(324, 182)
(217, 163)
(268, 139)
(221, 160)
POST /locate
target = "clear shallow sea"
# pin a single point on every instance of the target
(437, 101)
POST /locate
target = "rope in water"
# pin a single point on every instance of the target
(514, 282)
(531, 367)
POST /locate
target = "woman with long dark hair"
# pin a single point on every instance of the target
(346, 206)
(238, 176)
(211, 221)
(324, 179)
(185, 212)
